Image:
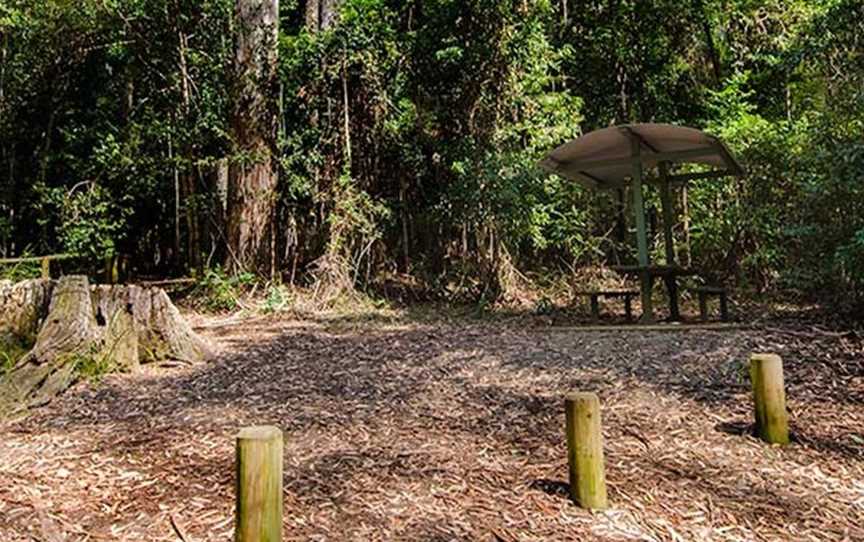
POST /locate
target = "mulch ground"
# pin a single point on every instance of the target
(450, 431)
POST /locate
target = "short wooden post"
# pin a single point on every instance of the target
(585, 450)
(46, 268)
(259, 485)
(769, 398)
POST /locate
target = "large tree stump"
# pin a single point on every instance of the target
(22, 306)
(77, 329)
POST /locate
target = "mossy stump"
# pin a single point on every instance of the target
(769, 398)
(585, 451)
(76, 329)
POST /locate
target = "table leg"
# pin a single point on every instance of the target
(645, 283)
(628, 308)
(672, 288)
(724, 307)
(703, 307)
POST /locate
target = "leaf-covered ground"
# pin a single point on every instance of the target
(450, 431)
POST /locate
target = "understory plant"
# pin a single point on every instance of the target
(219, 291)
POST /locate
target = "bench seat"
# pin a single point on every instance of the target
(595, 296)
(704, 292)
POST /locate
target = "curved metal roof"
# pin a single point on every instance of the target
(605, 158)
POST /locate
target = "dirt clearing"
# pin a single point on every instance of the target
(450, 431)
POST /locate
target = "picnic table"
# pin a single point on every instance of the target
(669, 274)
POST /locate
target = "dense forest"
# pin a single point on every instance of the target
(348, 143)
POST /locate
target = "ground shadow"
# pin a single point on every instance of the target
(496, 387)
(555, 488)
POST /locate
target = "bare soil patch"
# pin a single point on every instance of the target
(450, 431)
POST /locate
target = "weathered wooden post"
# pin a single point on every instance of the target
(585, 450)
(112, 270)
(769, 398)
(259, 485)
(46, 268)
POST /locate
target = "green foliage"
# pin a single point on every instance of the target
(408, 135)
(20, 271)
(11, 350)
(850, 263)
(92, 365)
(89, 222)
(219, 291)
(277, 299)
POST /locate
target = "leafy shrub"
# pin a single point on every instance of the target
(278, 299)
(20, 271)
(219, 291)
(850, 261)
(88, 220)
(93, 366)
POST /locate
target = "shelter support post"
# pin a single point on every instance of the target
(666, 202)
(641, 234)
(669, 240)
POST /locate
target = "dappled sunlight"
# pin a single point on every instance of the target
(440, 428)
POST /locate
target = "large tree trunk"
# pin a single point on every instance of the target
(321, 14)
(329, 10)
(313, 14)
(82, 330)
(252, 177)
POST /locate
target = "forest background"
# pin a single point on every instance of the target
(390, 147)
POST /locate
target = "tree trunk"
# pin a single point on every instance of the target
(329, 9)
(713, 53)
(685, 211)
(193, 240)
(313, 9)
(321, 14)
(252, 177)
(81, 330)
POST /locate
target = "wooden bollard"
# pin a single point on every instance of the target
(769, 398)
(259, 485)
(585, 450)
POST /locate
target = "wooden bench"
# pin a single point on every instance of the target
(595, 296)
(704, 292)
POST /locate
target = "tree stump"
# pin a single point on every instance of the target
(22, 305)
(76, 330)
